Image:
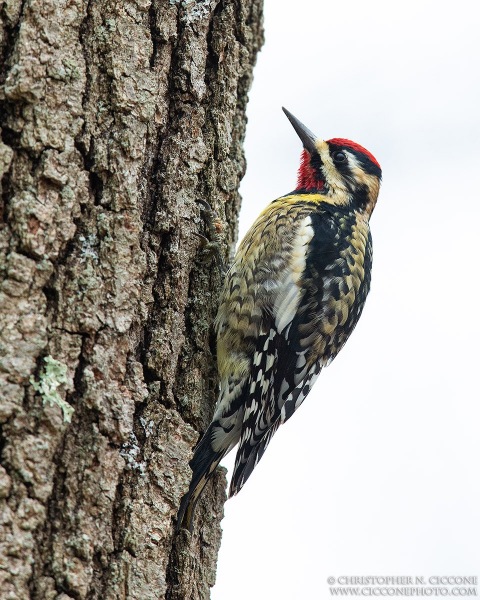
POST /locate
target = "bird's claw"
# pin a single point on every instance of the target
(213, 243)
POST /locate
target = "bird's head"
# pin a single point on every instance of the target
(342, 171)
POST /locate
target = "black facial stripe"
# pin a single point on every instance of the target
(342, 167)
(367, 165)
(361, 196)
(316, 164)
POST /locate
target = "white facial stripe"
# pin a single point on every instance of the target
(334, 180)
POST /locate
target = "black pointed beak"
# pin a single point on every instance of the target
(307, 137)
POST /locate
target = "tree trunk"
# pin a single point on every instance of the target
(117, 117)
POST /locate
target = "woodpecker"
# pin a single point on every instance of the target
(291, 299)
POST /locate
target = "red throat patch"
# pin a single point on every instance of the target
(354, 146)
(307, 176)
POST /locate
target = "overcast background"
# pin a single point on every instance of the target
(377, 473)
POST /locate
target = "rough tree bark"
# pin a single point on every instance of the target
(117, 116)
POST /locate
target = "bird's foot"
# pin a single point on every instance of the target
(212, 245)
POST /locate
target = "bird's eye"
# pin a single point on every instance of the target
(339, 157)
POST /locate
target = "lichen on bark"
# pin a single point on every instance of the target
(116, 118)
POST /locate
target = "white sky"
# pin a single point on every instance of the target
(377, 473)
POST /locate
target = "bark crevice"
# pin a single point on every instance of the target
(115, 119)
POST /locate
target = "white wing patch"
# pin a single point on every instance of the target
(290, 291)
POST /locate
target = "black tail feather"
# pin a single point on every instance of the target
(203, 464)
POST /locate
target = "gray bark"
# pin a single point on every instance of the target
(116, 118)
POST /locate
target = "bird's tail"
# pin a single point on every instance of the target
(203, 464)
(248, 458)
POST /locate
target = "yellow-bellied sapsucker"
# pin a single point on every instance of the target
(292, 297)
